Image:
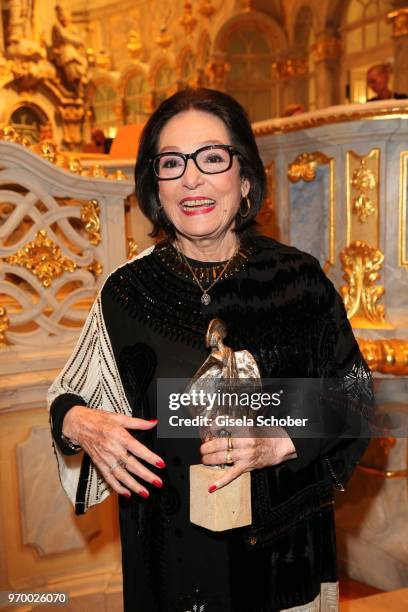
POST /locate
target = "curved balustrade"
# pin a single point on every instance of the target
(60, 234)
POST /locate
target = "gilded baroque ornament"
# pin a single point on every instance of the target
(216, 70)
(290, 67)
(207, 9)
(4, 325)
(68, 52)
(49, 151)
(23, 39)
(399, 20)
(304, 166)
(388, 356)
(61, 68)
(9, 134)
(326, 48)
(6, 67)
(188, 21)
(72, 116)
(43, 258)
(362, 264)
(96, 171)
(134, 46)
(164, 12)
(163, 39)
(28, 74)
(90, 217)
(132, 247)
(25, 46)
(118, 175)
(363, 181)
(100, 58)
(95, 268)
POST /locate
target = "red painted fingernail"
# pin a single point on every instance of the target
(157, 483)
(212, 488)
(160, 464)
(128, 495)
(144, 494)
(153, 420)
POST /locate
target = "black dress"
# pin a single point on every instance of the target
(277, 304)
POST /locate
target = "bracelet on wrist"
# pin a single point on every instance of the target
(70, 444)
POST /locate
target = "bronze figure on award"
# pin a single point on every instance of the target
(224, 373)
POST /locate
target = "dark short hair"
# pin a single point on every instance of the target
(239, 128)
(383, 68)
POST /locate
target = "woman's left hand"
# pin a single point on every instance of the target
(247, 454)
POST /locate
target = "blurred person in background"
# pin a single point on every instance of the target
(378, 77)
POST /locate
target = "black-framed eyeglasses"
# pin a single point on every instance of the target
(212, 159)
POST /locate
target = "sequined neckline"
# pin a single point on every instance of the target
(206, 273)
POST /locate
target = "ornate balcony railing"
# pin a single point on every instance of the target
(60, 234)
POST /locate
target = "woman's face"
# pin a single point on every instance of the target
(200, 205)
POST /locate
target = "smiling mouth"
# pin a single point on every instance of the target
(197, 204)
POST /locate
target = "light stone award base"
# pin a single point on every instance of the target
(227, 508)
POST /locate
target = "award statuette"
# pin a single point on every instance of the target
(224, 371)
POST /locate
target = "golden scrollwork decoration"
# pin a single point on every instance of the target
(388, 356)
(163, 39)
(90, 218)
(187, 20)
(217, 70)
(362, 264)
(207, 9)
(135, 46)
(43, 258)
(95, 171)
(49, 150)
(363, 181)
(118, 175)
(328, 47)
(10, 134)
(132, 247)
(305, 165)
(290, 67)
(399, 20)
(6, 67)
(95, 268)
(4, 325)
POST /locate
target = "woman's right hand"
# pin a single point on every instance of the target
(104, 438)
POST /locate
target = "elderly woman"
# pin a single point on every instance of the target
(200, 180)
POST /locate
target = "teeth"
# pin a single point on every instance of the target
(195, 203)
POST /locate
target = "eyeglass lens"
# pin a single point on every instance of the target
(209, 161)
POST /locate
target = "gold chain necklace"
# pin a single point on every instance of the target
(205, 298)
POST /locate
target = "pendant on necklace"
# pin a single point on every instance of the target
(205, 299)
